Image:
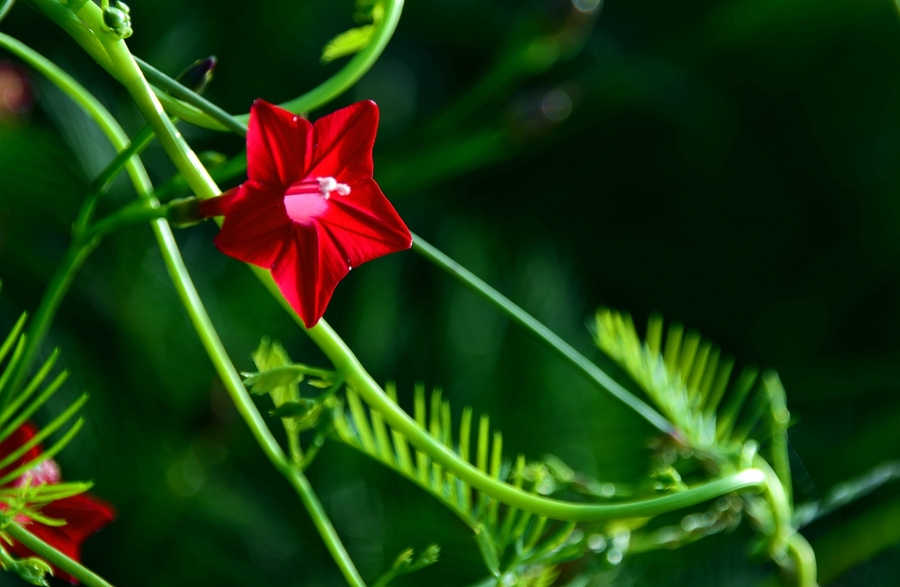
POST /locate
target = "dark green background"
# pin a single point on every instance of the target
(732, 164)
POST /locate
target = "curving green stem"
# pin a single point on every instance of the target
(322, 94)
(544, 334)
(786, 539)
(77, 254)
(190, 167)
(5, 7)
(192, 303)
(327, 91)
(55, 557)
(461, 274)
(102, 182)
(360, 381)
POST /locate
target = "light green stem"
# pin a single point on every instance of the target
(544, 334)
(127, 216)
(186, 162)
(191, 301)
(786, 539)
(804, 559)
(55, 557)
(102, 182)
(5, 7)
(40, 325)
(360, 381)
(333, 87)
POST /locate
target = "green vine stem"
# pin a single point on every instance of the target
(359, 380)
(5, 7)
(77, 254)
(192, 303)
(461, 274)
(102, 182)
(59, 285)
(786, 540)
(544, 334)
(331, 88)
(187, 162)
(54, 557)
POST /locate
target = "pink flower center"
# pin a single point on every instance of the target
(308, 199)
(46, 472)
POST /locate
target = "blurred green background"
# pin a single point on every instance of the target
(731, 164)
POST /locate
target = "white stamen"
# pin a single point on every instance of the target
(330, 184)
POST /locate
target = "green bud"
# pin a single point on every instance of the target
(118, 20)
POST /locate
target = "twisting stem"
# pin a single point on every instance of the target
(786, 540)
(202, 184)
(102, 182)
(127, 216)
(461, 274)
(344, 359)
(356, 377)
(55, 557)
(40, 325)
(544, 334)
(192, 303)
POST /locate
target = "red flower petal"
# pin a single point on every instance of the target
(308, 270)
(366, 224)
(256, 227)
(278, 145)
(83, 514)
(310, 210)
(11, 443)
(343, 141)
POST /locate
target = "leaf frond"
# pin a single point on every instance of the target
(506, 536)
(688, 378)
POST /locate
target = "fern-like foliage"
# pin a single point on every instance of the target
(16, 409)
(688, 378)
(518, 548)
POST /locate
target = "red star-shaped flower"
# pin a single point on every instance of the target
(310, 210)
(82, 513)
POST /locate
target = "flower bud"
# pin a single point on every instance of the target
(198, 75)
(117, 18)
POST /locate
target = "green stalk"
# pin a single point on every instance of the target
(323, 525)
(88, 37)
(192, 303)
(102, 182)
(544, 334)
(5, 7)
(461, 274)
(77, 254)
(360, 381)
(127, 216)
(40, 325)
(786, 539)
(196, 175)
(55, 557)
